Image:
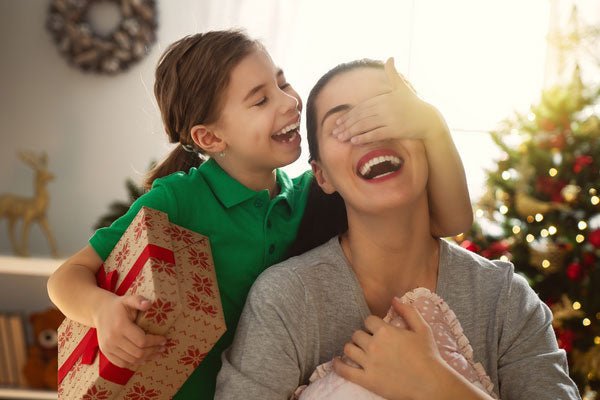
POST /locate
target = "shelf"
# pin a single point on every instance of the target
(29, 394)
(28, 266)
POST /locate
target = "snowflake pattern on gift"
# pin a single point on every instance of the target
(203, 285)
(140, 392)
(170, 345)
(198, 259)
(137, 283)
(192, 356)
(159, 311)
(198, 304)
(179, 235)
(97, 393)
(122, 254)
(145, 223)
(65, 335)
(162, 266)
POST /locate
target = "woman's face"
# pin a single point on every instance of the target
(372, 177)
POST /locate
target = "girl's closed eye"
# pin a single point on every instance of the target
(261, 102)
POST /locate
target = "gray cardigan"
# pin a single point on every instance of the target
(301, 312)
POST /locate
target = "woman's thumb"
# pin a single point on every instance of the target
(137, 302)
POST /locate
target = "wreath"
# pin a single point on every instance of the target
(69, 23)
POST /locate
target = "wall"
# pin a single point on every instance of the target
(96, 130)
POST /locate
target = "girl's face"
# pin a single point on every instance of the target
(373, 177)
(260, 117)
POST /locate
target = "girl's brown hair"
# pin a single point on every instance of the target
(191, 78)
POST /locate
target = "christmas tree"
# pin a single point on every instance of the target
(541, 211)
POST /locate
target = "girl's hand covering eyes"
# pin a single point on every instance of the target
(398, 114)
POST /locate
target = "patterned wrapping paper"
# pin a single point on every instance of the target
(173, 268)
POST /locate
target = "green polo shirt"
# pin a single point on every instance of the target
(248, 232)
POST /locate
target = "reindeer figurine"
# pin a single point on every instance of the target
(29, 209)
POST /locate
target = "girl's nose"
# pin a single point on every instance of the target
(288, 102)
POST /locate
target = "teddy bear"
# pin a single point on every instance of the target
(41, 367)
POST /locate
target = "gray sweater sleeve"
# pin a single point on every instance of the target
(530, 364)
(265, 357)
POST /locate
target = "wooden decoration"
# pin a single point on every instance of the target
(29, 209)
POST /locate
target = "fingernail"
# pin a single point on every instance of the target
(144, 302)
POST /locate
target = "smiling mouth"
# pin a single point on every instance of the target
(379, 167)
(288, 133)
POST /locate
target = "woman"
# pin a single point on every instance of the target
(301, 312)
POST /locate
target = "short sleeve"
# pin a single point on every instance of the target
(160, 198)
(265, 359)
(530, 365)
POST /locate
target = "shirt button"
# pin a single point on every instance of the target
(269, 223)
(258, 203)
(271, 249)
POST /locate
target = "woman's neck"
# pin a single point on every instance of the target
(391, 254)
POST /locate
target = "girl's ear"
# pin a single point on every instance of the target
(321, 177)
(206, 138)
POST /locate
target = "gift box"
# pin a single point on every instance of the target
(172, 267)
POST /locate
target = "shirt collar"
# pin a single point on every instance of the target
(230, 192)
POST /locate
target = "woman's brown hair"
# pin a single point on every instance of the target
(191, 78)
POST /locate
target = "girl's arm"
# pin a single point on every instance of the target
(73, 289)
(400, 363)
(401, 114)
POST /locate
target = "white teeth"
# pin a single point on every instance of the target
(366, 168)
(288, 128)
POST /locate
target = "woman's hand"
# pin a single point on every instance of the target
(394, 363)
(123, 342)
(398, 114)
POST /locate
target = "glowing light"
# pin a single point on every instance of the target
(576, 305)
(544, 233)
(552, 172)
(516, 229)
(582, 225)
(479, 213)
(530, 219)
(595, 200)
(539, 217)
(531, 116)
(503, 209)
(552, 230)
(503, 258)
(597, 340)
(530, 238)
(587, 322)
(545, 264)
(579, 238)
(505, 175)
(592, 191)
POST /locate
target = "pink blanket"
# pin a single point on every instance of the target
(453, 345)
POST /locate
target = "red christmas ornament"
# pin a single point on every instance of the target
(581, 162)
(551, 187)
(558, 141)
(588, 259)
(574, 271)
(467, 244)
(565, 338)
(496, 249)
(594, 238)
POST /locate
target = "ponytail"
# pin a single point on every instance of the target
(178, 160)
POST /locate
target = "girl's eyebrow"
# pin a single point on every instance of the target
(253, 91)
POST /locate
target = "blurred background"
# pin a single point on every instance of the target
(477, 61)
(516, 80)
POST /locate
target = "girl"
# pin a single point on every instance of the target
(309, 308)
(221, 96)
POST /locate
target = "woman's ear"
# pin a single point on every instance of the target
(321, 177)
(206, 138)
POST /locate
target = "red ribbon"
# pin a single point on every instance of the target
(88, 348)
